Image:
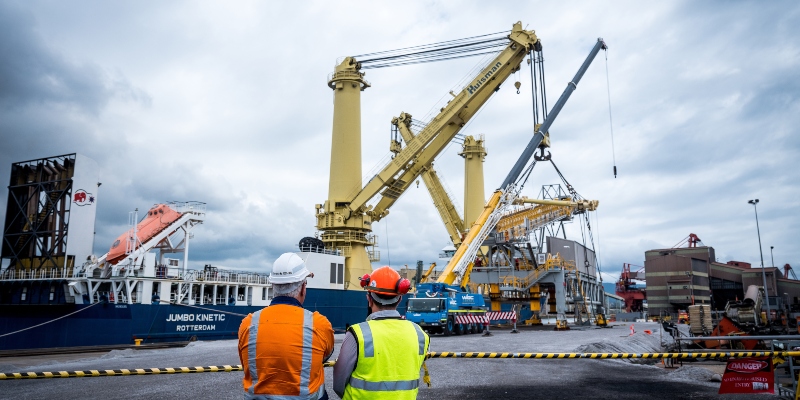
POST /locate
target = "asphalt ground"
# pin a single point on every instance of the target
(451, 378)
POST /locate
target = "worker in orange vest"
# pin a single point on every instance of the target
(382, 357)
(282, 347)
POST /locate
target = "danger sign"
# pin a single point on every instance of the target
(748, 375)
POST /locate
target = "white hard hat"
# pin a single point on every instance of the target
(289, 268)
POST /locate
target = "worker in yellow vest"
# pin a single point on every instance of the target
(282, 347)
(381, 358)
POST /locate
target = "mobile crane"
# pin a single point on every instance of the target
(345, 219)
(440, 302)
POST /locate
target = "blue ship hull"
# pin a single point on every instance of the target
(121, 324)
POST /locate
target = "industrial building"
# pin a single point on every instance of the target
(681, 277)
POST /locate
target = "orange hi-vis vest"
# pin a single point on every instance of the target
(282, 348)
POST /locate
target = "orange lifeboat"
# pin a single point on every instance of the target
(158, 218)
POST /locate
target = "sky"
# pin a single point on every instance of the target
(228, 104)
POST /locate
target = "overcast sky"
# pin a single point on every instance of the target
(227, 103)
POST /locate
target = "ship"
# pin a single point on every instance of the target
(54, 293)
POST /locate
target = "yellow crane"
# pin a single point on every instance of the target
(441, 200)
(345, 218)
(427, 273)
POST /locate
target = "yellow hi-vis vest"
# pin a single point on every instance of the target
(390, 355)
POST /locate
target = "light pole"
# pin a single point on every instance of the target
(763, 273)
(772, 256)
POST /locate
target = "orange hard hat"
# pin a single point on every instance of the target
(385, 280)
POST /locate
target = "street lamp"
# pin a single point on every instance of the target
(772, 256)
(763, 273)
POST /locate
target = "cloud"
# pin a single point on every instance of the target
(32, 72)
(230, 106)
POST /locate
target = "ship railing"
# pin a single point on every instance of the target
(233, 277)
(188, 206)
(321, 250)
(165, 272)
(34, 274)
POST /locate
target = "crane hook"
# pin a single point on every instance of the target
(517, 85)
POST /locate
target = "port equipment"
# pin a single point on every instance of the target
(451, 289)
(427, 274)
(50, 199)
(626, 288)
(345, 219)
(741, 318)
(690, 241)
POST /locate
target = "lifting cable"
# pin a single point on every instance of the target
(427, 46)
(533, 90)
(610, 120)
(388, 256)
(588, 226)
(542, 84)
(524, 177)
(441, 51)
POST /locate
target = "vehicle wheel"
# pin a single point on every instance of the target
(471, 328)
(459, 329)
(448, 330)
(479, 328)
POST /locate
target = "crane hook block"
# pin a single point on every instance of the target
(517, 85)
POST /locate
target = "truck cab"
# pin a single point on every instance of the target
(447, 309)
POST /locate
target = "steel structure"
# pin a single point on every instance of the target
(345, 218)
(49, 198)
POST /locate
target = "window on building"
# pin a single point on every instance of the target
(24, 294)
(263, 293)
(52, 293)
(340, 274)
(333, 272)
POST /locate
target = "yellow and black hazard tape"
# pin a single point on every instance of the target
(119, 372)
(434, 354)
(687, 355)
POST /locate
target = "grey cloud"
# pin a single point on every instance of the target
(31, 71)
(704, 96)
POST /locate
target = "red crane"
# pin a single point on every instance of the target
(626, 288)
(691, 241)
(788, 269)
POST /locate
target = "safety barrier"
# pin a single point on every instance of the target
(498, 315)
(470, 319)
(485, 318)
(442, 354)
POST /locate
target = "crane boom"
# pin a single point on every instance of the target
(419, 152)
(545, 126)
(441, 200)
(505, 196)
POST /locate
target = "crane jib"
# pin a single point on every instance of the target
(479, 82)
(551, 116)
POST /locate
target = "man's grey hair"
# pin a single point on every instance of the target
(287, 289)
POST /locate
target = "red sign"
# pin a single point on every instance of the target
(748, 375)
